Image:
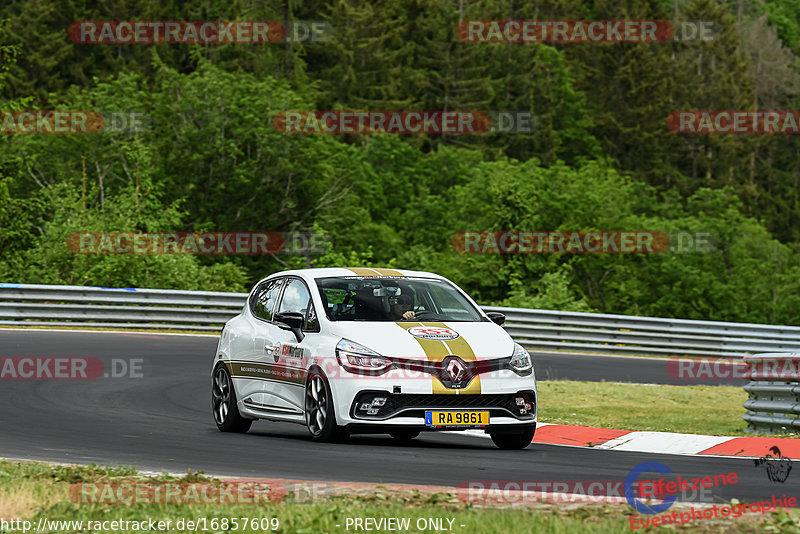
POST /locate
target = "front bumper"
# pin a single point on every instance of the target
(414, 405)
(408, 397)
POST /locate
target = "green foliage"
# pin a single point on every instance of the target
(551, 293)
(599, 158)
(134, 207)
(785, 16)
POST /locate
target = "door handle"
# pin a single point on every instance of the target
(269, 348)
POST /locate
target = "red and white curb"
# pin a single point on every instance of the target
(664, 442)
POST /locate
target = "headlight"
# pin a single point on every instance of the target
(359, 359)
(521, 361)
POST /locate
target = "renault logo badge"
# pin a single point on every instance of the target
(456, 370)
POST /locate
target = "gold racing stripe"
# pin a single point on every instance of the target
(363, 271)
(389, 272)
(461, 348)
(374, 271)
(437, 350)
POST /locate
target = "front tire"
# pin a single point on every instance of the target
(319, 409)
(224, 403)
(514, 440)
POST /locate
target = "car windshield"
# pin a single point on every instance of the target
(359, 298)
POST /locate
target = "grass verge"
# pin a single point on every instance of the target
(35, 491)
(714, 410)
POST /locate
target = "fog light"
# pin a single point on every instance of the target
(372, 411)
(379, 401)
(365, 406)
(520, 401)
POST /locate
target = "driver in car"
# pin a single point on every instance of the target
(401, 308)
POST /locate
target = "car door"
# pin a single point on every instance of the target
(259, 359)
(289, 355)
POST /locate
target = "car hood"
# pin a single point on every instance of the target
(428, 341)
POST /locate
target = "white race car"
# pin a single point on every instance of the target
(368, 350)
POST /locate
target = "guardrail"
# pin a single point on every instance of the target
(543, 330)
(42, 305)
(652, 336)
(774, 389)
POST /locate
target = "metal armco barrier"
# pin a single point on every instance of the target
(774, 390)
(548, 330)
(42, 305)
(543, 330)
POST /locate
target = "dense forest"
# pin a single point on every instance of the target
(600, 155)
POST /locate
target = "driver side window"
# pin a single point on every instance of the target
(296, 298)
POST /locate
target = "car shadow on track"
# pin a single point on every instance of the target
(435, 441)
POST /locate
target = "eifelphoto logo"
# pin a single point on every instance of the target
(583, 31)
(198, 32)
(734, 122)
(70, 122)
(70, 368)
(633, 479)
(667, 491)
(196, 243)
(711, 512)
(581, 242)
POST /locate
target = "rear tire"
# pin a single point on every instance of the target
(516, 440)
(224, 404)
(404, 434)
(319, 409)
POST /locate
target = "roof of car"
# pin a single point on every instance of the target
(376, 272)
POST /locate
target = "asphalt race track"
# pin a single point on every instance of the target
(594, 368)
(162, 421)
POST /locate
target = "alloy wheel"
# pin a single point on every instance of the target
(221, 393)
(316, 405)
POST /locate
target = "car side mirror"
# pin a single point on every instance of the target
(496, 317)
(291, 321)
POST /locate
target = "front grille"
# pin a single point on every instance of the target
(412, 404)
(470, 369)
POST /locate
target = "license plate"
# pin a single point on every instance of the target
(456, 418)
